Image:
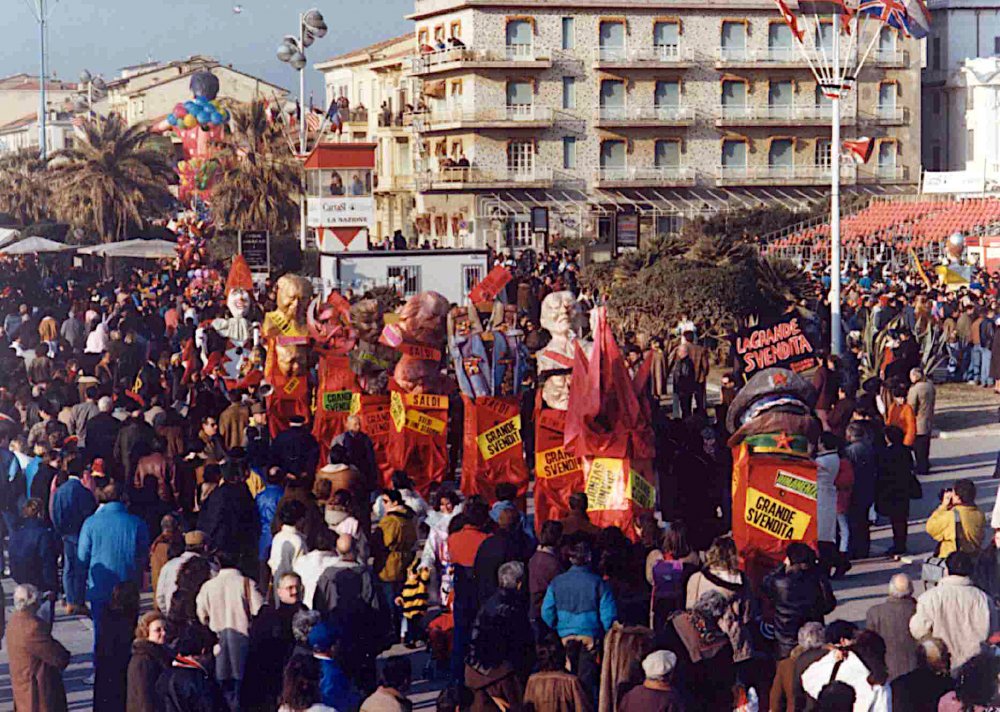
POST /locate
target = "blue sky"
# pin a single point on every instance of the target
(103, 35)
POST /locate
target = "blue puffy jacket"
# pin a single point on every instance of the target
(267, 505)
(114, 547)
(579, 602)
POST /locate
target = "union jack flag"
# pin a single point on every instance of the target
(891, 12)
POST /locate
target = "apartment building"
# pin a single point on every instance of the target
(610, 120)
(375, 80)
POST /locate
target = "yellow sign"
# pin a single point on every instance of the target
(640, 491)
(606, 485)
(291, 385)
(500, 438)
(426, 400)
(423, 423)
(355, 404)
(397, 411)
(555, 463)
(774, 517)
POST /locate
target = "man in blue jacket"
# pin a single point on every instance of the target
(580, 606)
(71, 505)
(114, 547)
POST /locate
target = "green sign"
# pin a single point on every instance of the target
(339, 401)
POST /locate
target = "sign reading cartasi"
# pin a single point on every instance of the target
(782, 344)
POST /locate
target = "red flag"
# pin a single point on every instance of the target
(860, 149)
(790, 19)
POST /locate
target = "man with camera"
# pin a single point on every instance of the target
(957, 525)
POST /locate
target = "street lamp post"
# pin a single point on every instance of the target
(95, 87)
(292, 51)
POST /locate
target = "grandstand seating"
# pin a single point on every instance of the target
(901, 224)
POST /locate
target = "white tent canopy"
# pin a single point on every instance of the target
(136, 249)
(35, 245)
(8, 235)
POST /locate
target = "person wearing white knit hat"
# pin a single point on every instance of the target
(657, 693)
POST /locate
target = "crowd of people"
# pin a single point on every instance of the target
(276, 586)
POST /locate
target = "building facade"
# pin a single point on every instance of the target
(22, 134)
(19, 96)
(619, 117)
(967, 131)
(376, 83)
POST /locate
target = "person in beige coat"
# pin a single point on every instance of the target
(36, 658)
(921, 397)
(955, 611)
(226, 604)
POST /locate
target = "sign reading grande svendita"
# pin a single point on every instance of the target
(255, 246)
(782, 344)
(340, 212)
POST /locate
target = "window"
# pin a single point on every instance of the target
(887, 44)
(734, 40)
(936, 102)
(887, 159)
(887, 100)
(568, 33)
(613, 99)
(456, 149)
(779, 99)
(823, 102)
(612, 40)
(823, 153)
(779, 42)
(667, 40)
(734, 99)
(471, 276)
(780, 157)
(996, 46)
(669, 224)
(423, 37)
(521, 159)
(569, 93)
(569, 152)
(667, 155)
(519, 99)
(406, 277)
(519, 39)
(824, 37)
(667, 99)
(439, 34)
(970, 145)
(734, 157)
(936, 53)
(455, 29)
(613, 159)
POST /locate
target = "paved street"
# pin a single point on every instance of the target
(967, 448)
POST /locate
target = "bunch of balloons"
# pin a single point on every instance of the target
(199, 111)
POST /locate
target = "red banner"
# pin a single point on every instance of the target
(334, 394)
(490, 286)
(375, 423)
(774, 503)
(618, 489)
(290, 396)
(558, 473)
(492, 450)
(418, 437)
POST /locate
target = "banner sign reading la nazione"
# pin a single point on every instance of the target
(780, 344)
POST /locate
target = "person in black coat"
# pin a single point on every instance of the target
(799, 593)
(295, 450)
(508, 543)
(189, 685)
(860, 452)
(893, 487)
(271, 646)
(150, 657)
(229, 519)
(33, 549)
(113, 648)
(102, 433)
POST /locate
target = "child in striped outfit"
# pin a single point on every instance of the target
(413, 601)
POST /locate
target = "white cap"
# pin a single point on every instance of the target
(659, 664)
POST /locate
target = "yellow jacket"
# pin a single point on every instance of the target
(941, 527)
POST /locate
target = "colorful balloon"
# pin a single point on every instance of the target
(190, 121)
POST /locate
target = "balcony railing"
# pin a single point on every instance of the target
(770, 55)
(797, 112)
(781, 173)
(645, 113)
(890, 173)
(890, 57)
(890, 114)
(514, 112)
(652, 175)
(665, 54)
(474, 175)
(390, 120)
(431, 61)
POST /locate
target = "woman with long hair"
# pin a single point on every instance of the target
(300, 686)
(721, 572)
(150, 656)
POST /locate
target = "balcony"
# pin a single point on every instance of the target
(520, 57)
(890, 58)
(654, 57)
(770, 58)
(394, 184)
(473, 178)
(516, 116)
(636, 177)
(781, 175)
(782, 115)
(889, 116)
(885, 174)
(389, 120)
(611, 117)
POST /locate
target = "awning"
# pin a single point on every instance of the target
(135, 249)
(8, 235)
(34, 246)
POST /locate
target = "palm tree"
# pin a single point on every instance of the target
(24, 188)
(260, 175)
(111, 179)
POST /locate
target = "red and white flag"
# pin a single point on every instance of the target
(314, 120)
(860, 149)
(790, 19)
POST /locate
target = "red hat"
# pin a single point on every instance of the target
(239, 275)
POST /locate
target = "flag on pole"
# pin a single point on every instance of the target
(890, 12)
(918, 18)
(790, 19)
(860, 149)
(314, 119)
